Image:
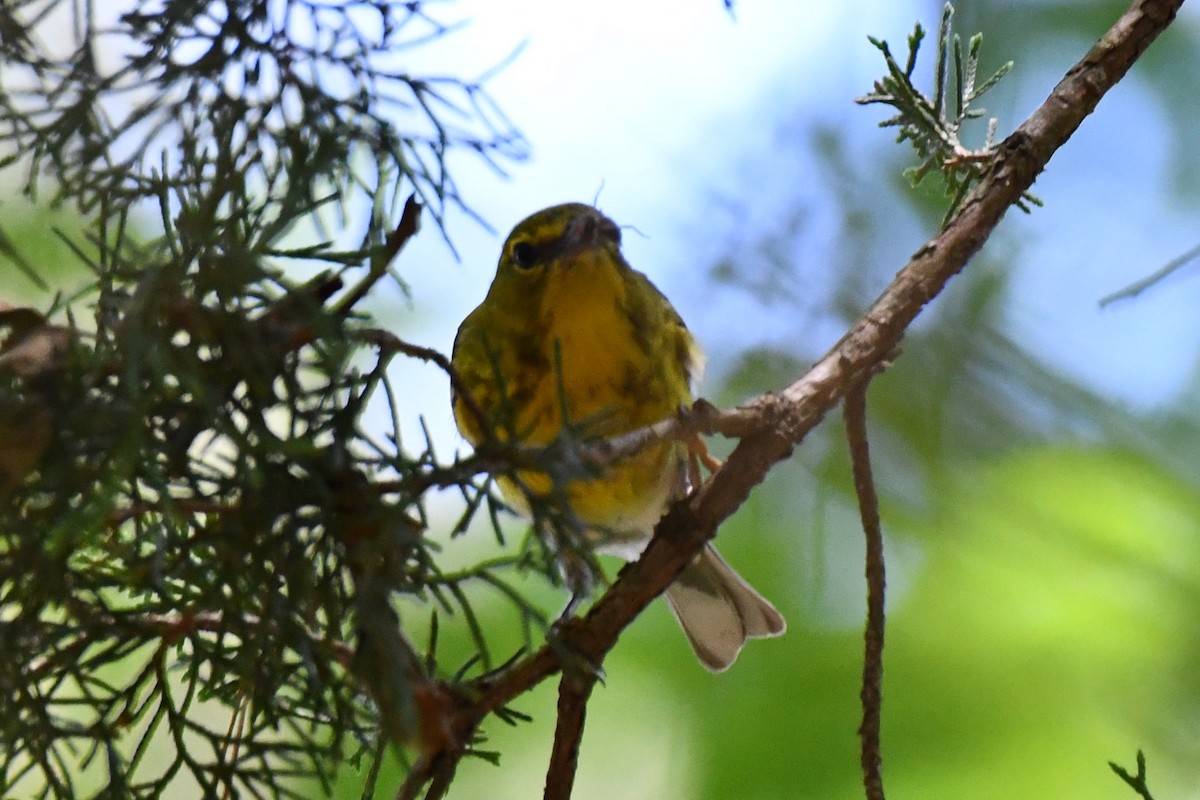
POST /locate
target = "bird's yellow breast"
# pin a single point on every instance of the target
(599, 375)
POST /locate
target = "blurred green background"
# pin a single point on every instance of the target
(1036, 455)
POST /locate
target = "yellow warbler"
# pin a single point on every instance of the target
(570, 334)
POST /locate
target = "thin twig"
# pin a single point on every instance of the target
(173, 505)
(855, 412)
(406, 228)
(504, 457)
(1161, 274)
(389, 342)
(1136, 782)
(173, 627)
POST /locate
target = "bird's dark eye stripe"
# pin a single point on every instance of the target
(524, 254)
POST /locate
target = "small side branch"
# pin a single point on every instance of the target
(390, 343)
(855, 410)
(1136, 782)
(406, 228)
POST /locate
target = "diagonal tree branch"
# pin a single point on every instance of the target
(772, 425)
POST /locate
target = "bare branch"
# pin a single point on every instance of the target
(855, 412)
(1136, 782)
(406, 228)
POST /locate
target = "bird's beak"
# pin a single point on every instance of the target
(588, 231)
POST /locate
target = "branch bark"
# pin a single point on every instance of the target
(855, 411)
(574, 689)
(772, 425)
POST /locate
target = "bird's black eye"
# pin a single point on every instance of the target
(523, 255)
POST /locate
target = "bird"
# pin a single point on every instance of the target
(571, 338)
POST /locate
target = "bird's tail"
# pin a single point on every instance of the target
(719, 611)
